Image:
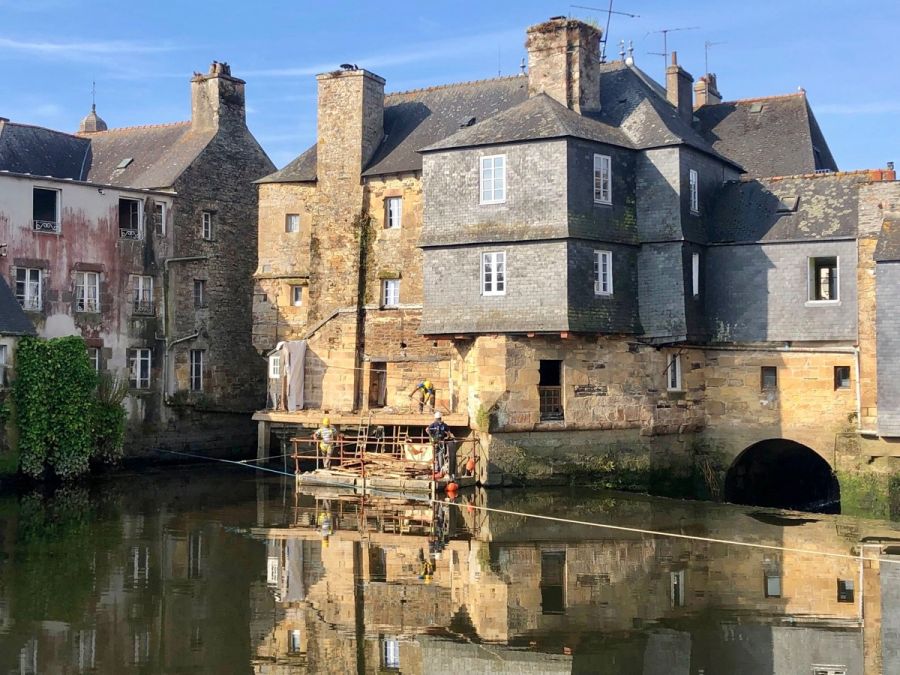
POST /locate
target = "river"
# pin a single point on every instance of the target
(201, 569)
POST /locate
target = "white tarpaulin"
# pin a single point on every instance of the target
(286, 379)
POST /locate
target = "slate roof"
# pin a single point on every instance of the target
(42, 152)
(13, 320)
(301, 169)
(771, 136)
(888, 247)
(787, 209)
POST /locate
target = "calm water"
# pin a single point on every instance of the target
(198, 570)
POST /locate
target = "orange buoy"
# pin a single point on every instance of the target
(470, 465)
(452, 487)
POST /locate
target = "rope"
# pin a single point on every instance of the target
(571, 521)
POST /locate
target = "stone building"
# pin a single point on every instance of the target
(143, 240)
(591, 267)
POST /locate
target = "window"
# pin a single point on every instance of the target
(296, 296)
(291, 223)
(85, 642)
(768, 378)
(550, 399)
(393, 212)
(159, 217)
(695, 274)
(694, 180)
(773, 584)
(823, 279)
(199, 293)
(139, 360)
(673, 373)
(196, 370)
(553, 582)
(602, 179)
(390, 292)
(274, 366)
(29, 288)
(493, 273)
(294, 641)
(143, 294)
(87, 292)
(94, 358)
(45, 211)
(4, 355)
(195, 555)
(390, 654)
(829, 670)
(677, 588)
(206, 220)
(842, 377)
(493, 179)
(845, 590)
(603, 279)
(130, 218)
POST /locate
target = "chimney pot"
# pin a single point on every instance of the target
(217, 99)
(564, 62)
(678, 89)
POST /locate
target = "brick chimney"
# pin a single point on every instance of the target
(564, 62)
(351, 121)
(217, 99)
(706, 92)
(678, 88)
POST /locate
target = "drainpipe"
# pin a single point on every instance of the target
(167, 314)
(166, 359)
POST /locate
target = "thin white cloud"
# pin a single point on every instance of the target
(873, 108)
(48, 110)
(81, 50)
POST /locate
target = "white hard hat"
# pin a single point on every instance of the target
(437, 415)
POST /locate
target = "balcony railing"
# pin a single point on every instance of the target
(31, 303)
(144, 307)
(87, 305)
(550, 403)
(48, 226)
(128, 233)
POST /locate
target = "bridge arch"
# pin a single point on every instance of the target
(785, 474)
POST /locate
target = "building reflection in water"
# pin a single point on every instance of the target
(382, 584)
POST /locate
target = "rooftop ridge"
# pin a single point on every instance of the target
(451, 84)
(755, 99)
(873, 175)
(132, 128)
(11, 123)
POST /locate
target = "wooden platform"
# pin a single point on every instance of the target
(312, 418)
(380, 483)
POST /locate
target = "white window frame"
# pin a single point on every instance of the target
(493, 273)
(142, 287)
(137, 359)
(195, 373)
(274, 366)
(812, 281)
(291, 223)
(694, 182)
(199, 293)
(57, 222)
(676, 585)
(695, 274)
(32, 296)
(4, 364)
(489, 181)
(139, 230)
(160, 215)
(390, 653)
(602, 179)
(673, 372)
(296, 295)
(87, 292)
(393, 213)
(390, 292)
(294, 641)
(94, 357)
(206, 225)
(603, 283)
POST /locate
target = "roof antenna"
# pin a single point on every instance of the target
(630, 60)
(522, 66)
(622, 49)
(93, 96)
(609, 12)
(706, 46)
(665, 33)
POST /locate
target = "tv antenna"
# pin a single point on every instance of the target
(665, 33)
(706, 46)
(609, 12)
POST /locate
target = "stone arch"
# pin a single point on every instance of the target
(781, 473)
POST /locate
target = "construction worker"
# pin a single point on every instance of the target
(439, 433)
(326, 435)
(427, 395)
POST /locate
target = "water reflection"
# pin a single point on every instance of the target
(221, 571)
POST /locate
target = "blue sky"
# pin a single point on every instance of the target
(142, 55)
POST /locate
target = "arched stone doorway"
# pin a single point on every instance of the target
(784, 474)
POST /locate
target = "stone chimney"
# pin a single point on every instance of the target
(92, 122)
(564, 62)
(351, 121)
(678, 88)
(217, 99)
(706, 92)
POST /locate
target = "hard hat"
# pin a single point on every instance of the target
(438, 415)
(325, 421)
(427, 384)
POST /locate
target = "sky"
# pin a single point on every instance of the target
(142, 55)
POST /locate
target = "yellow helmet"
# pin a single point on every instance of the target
(428, 384)
(325, 421)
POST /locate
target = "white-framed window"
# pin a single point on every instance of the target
(29, 287)
(296, 296)
(87, 292)
(206, 224)
(493, 273)
(131, 213)
(199, 293)
(695, 274)
(390, 654)
(390, 292)
(139, 360)
(294, 644)
(676, 584)
(393, 207)
(143, 294)
(673, 373)
(197, 369)
(4, 355)
(274, 366)
(45, 215)
(602, 179)
(823, 279)
(292, 222)
(94, 357)
(603, 273)
(493, 179)
(694, 181)
(159, 216)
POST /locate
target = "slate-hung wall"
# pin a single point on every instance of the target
(888, 332)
